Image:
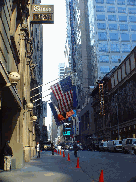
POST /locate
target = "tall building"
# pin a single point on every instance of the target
(112, 31)
(61, 70)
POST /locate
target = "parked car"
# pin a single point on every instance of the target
(103, 146)
(114, 145)
(129, 145)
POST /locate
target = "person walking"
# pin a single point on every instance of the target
(75, 148)
(7, 156)
(38, 150)
(52, 148)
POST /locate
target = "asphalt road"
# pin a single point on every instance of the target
(117, 167)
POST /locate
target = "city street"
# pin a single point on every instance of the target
(117, 167)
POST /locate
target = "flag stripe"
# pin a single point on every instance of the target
(57, 96)
(62, 97)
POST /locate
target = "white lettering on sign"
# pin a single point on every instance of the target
(39, 8)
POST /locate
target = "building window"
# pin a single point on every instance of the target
(115, 48)
(120, 2)
(103, 47)
(101, 17)
(61, 72)
(111, 9)
(113, 36)
(112, 26)
(121, 10)
(133, 27)
(100, 9)
(122, 18)
(123, 27)
(100, 1)
(132, 19)
(115, 59)
(124, 37)
(102, 36)
(101, 26)
(104, 59)
(131, 2)
(133, 37)
(111, 17)
(132, 10)
(125, 48)
(104, 69)
(110, 1)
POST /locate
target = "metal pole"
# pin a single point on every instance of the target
(117, 120)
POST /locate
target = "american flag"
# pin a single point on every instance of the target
(64, 94)
(55, 114)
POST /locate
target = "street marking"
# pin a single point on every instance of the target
(49, 174)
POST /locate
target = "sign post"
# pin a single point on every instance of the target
(42, 14)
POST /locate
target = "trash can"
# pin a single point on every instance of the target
(7, 163)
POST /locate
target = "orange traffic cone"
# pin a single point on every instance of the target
(101, 178)
(77, 166)
(68, 157)
(63, 154)
(60, 152)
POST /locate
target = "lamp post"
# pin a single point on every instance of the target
(117, 117)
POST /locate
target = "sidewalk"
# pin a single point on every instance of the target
(50, 168)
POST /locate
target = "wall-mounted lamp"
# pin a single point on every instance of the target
(34, 118)
(14, 77)
(29, 106)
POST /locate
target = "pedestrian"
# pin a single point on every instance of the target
(7, 152)
(38, 150)
(52, 148)
(75, 148)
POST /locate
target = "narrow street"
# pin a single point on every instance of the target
(116, 167)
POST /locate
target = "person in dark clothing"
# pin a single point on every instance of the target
(52, 148)
(75, 148)
(7, 150)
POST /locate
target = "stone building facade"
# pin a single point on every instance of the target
(17, 122)
(118, 120)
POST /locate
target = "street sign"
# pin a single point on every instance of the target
(42, 14)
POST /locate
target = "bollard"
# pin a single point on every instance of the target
(63, 154)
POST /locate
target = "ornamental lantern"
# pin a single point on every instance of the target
(14, 77)
(30, 106)
(34, 118)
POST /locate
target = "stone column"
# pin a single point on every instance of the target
(26, 146)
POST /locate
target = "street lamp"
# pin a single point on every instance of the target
(117, 117)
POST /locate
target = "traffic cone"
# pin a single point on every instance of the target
(63, 154)
(60, 152)
(101, 178)
(68, 157)
(77, 166)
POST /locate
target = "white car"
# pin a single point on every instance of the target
(115, 145)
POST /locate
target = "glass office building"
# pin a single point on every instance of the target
(112, 31)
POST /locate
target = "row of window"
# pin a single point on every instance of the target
(116, 47)
(113, 58)
(122, 2)
(122, 27)
(111, 9)
(113, 18)
(114, 36)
